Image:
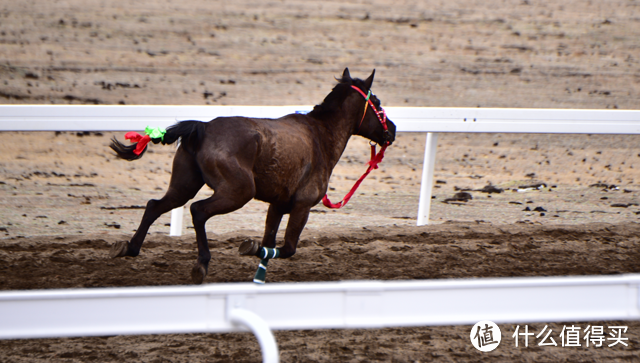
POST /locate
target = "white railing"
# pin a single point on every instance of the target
(324, 305)
(407, 119)
(365, 304)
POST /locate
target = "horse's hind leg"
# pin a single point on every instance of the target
(186, 181)
(228, 197)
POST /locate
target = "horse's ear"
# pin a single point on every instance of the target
(346, 74)
(369, 81)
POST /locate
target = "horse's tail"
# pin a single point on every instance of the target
(191, 133)
(126, 151)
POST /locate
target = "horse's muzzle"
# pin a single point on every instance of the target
(390, 133)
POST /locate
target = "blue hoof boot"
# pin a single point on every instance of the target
(261, 274)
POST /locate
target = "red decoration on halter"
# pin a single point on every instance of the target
(382, 119)
(375, 158)
(141, 140)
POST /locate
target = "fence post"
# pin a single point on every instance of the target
(261, 330)
(176, 222)
(426, 185)
(177, 214)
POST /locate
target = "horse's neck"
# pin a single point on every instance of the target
(337, 132)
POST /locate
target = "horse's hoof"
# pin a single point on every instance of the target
(249, 248)
(119, 249)
(198, 274)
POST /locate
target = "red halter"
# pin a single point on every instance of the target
(375, 158)
(367, 98)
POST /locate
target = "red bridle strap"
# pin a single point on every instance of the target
(368, 102)
(373, 164)
(375, 158)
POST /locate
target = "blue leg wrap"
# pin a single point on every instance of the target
(261, 274)
(265, 254)
(268, 253)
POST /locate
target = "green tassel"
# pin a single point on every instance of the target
(155, 132)
(261, 274)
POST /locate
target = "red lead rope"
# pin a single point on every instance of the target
(375, 158)
(373, 164)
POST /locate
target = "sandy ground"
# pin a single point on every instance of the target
(66, 199)
(471, 53)
(70, 184)
(450, 250)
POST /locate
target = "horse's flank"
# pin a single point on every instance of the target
(282, 153)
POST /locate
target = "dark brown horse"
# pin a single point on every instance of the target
(285, 162)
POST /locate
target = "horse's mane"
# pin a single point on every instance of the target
(335, 98)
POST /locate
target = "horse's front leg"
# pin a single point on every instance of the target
(274, 217)
(297, 220)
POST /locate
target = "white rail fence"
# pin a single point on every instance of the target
(407, 119)
(364, 304)
(219, 308)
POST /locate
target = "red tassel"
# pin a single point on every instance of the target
(141, 140)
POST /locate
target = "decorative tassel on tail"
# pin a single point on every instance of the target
(155, 134)
(265, 254)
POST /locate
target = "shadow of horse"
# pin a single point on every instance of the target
(286, 162)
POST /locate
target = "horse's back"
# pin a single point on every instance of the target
(288, 134)
(279, 152)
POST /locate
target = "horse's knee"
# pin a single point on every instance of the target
(152, 211)
(197, 215)
(194, 209)
(152, 204)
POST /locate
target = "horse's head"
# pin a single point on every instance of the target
(371, 120)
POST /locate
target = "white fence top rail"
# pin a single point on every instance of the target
(350, 304)
(361, 304)
(407, 119)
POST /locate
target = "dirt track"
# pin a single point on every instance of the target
(66, 199)
(452, 250)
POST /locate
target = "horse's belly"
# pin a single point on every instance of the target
(284, 186)
(272, 188)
